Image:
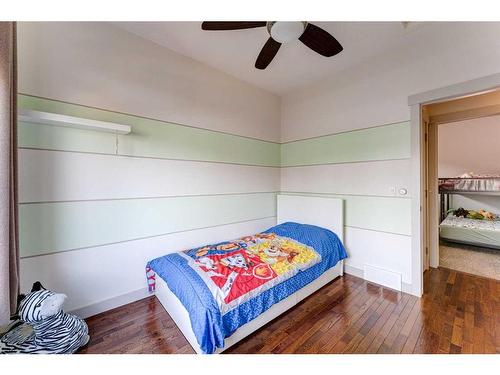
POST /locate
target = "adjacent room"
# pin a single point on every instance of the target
(470, 241)
(462, 192)
(249, 187)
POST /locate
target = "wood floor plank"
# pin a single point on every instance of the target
(404, 334)
(458, 313)
(351, 337)
(415, 332)
(367, 327)
(306, 325)
(332, 330)
(374, 332)
(386, 346)
(349, 318)
(387, 327)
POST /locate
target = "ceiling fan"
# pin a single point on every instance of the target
(281, 32)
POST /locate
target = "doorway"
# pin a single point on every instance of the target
(419, 255)
(461, 181)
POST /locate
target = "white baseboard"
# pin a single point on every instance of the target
(111, 303)
(358, 272)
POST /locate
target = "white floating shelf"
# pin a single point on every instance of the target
(47, 118)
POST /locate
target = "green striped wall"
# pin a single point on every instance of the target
(54, 227)
(149, 138)
(387, 142)
(49, 137)
(384, 214)
(153, 138)
(61, 226)
(178, 142)
(380, 143)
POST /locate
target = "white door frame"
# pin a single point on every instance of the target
(415, 102)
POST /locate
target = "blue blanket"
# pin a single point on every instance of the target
(210, 325)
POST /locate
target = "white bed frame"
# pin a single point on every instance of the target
(324, 212)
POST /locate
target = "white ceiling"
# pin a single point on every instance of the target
(295, 65)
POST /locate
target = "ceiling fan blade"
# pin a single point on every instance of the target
(232, 25)
(267, 53)
(320, 41)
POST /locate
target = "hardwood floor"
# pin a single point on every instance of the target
(459, 313)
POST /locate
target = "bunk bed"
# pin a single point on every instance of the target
(484, 233)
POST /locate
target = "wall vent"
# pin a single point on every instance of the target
(383, 277)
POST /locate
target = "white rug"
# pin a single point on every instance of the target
(470, 259)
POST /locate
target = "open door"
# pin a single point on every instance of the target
(425, 206)
(431, 193)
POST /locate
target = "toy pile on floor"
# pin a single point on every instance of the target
(471, 214)
(42, 327)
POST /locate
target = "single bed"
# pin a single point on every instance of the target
(218, 294)
(483, 233)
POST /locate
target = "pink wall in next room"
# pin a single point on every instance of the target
(469, 146)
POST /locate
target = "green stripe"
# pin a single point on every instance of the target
(53, 227)
(149, 138)
(178, 142)
(49, 137)
(153, 138)
(383, 214)
(380, 143)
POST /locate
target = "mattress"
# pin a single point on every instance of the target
(219, 301)
(471, 231)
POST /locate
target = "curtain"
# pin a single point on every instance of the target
(9, 238)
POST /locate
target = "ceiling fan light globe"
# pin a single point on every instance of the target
(285, 32)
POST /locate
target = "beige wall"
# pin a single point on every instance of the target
(376, 91)
(100, 65)
(469, 146)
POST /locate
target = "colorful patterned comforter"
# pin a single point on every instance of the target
(226, 285)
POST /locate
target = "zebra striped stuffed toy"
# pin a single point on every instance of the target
(52, 330)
